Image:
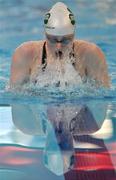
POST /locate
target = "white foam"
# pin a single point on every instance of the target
(61, 71)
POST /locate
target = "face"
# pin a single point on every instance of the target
(59, 44)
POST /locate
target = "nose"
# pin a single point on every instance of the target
(59, 45)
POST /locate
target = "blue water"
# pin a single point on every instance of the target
(20, 21)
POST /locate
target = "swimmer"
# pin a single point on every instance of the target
(85, 58)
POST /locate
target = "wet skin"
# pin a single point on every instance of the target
(90, 61)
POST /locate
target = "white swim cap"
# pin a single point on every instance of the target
(59, 20)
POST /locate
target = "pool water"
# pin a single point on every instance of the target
(53, 133)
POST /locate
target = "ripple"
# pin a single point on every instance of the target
(111, 21)
(29, 93)
(25, 19)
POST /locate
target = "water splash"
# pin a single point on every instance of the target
(59, 82)
(59, 72)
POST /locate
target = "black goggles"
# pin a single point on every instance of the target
(59, 39)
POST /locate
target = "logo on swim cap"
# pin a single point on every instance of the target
(59, 20)
(71, 16)
(47, 16)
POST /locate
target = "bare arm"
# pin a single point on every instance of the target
(20, 66)
(95, 66)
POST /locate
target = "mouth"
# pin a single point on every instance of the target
(59, 54)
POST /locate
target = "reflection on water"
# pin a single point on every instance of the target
(59, 141)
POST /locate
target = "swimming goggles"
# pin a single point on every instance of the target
(59, 39)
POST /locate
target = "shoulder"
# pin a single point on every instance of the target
(93, 60)
(28, 47)
(27, 51)
(88, 48)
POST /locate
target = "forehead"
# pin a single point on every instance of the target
(60, 37)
